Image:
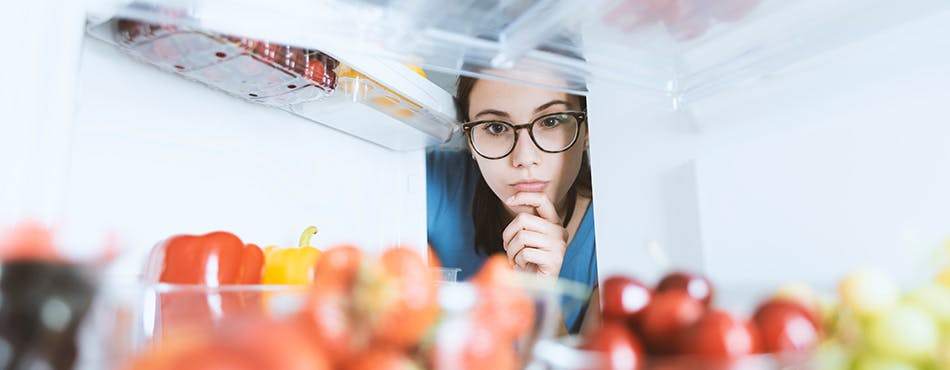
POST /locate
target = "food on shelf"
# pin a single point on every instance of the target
(361, 87)
(242, 345)
(869, 293)
(667, 316)
(785, 325)
(621, 349)
(696, 286)
(28, 241)
(257, 70)
(213, 259)
(873, 324)
(291, 266)
(362, 311)
(720, 334)
(882, 326)
(625, 299)
(679, 326)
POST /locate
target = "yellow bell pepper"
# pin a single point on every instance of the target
(291, 266)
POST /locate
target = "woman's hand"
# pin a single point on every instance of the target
(535, 242)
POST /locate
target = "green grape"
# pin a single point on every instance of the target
(934, 299)
(905, 333)
(869, 292)
(832, 355)
(880, 363)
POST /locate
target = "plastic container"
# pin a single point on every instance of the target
(172, 307)
(464, 319)
(259, 71)
(367, 108)
(404, 112)
(158, 315)
(447, 275)
(564, 354)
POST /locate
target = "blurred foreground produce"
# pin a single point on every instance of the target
(357, 312)
(43, 301)
(873, 325)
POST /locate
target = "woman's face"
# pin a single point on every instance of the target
(527, 168)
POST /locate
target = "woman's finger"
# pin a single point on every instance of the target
(546, 262)
(533, 239)
(525, 221)
(539, 201)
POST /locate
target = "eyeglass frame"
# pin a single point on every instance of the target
(580, 116)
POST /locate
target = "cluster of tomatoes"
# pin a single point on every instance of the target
(362, 312)
(675, 326)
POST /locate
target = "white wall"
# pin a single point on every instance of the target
(840, 161)
(837, 163)
(155, 155)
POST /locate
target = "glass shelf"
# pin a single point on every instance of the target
(679, 51)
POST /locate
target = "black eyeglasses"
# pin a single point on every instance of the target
(552, 133)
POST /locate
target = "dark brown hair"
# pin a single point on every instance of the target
(487, 209)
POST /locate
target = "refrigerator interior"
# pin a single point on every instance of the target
(697, 136)
(155, 156)
(834, 163)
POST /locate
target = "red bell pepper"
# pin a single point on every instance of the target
(217, 258)
(211, 260)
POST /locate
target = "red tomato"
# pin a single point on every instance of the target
(624, 298)
(277, 345)
(621, 350)
(413, 311)
(696, 286)
(481, 347)
(237, 346)
(665, 319)
(495, 270)
(506, 309)
(785, 326)
(720, 335)
(505, 306)
(337, 268)
(383, 358)
(328, 322)
(213, 357)
(28, 241)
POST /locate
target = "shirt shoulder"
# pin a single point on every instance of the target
(451, 177)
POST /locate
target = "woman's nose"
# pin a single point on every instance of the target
(525, 152)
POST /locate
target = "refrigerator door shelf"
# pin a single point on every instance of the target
(408, 112)
(679, 51)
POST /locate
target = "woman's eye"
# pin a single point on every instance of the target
(552, 122)
(495, 128)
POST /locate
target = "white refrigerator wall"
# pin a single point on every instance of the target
(154, 155)
(839, 162)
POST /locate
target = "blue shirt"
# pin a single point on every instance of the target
(451, 176)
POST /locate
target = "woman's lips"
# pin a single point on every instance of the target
(530, 186)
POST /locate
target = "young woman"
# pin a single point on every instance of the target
(521, 188)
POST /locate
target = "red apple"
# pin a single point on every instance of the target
(721, 335)
(666, 317)
(619, 347)
(696, 286)
(785, 326)
(624, 299)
